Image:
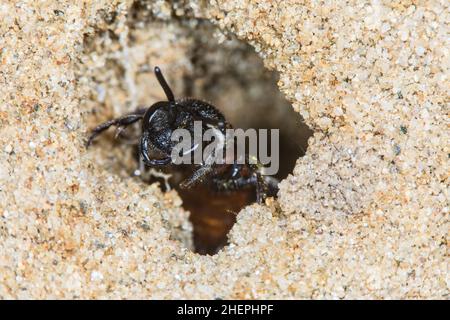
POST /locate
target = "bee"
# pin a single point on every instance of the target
(160, 120)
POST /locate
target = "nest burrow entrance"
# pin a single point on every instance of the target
(199, 61)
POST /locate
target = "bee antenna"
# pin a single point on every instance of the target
(164, 85)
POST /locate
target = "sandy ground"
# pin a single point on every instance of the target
(363, 215)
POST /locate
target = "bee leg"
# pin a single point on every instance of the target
(238, 179)
(261, 188)
(123, 121)
(262, 185)
(272, 185)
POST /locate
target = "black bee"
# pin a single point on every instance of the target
(155, 145)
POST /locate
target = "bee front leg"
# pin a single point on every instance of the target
(123, 121)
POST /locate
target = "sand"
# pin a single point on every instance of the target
(363, 215)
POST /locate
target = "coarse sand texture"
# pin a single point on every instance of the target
(364, 213)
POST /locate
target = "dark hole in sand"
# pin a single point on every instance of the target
(230, 75)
